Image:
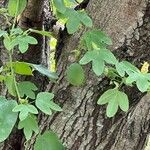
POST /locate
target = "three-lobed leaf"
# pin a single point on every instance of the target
(10, 43)
(126, 67)
(29, 125)
(98, 58)
(45, 104)
(142, 81)
(24, 41)
(72, 17)
(25, 110)
(115, 99)
(27, 88)
(75, 18)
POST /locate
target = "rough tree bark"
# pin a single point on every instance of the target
(83, 124)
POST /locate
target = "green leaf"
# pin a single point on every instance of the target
(54, 106)
(29, 125)
(23, 47)
(114, 98)
(98, 66)
(10, 43)
(120, 69)
(97, 37)
(9, 82)
(88, 56)
(142, 84)
(112, 108)
(60, 6)
(44, 33)
(7, 117)
(27, 88)
(75, 18)
(85, 19)
(24, 41)
(16, 7)
(2, 78)
(2, 33)
(49, 139)
(22, 68)
(127, 67)
(16, 31)
(106, 97)
(25, 110)
(108, 56)
(45, 104)
(140, 79)
(131, 78)
(72, 25)
(29, 39)
(123, 102)
(75, 74)
(43, 70)
(97, 61)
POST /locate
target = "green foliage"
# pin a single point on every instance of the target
(25, 110)
(75, 18)
(98, 58)
(10, 84)
(16, 7)
(75, 74)
(27, 88)
(96, 37)
(2, 33)
(103, 61)
(115, 99)
(96, 42)
(18, 38)
(45, 104)
(142, 80)
(71, 17)
(2, 78)
(44, 33)
(9, 42)
(22, 68)
(29, 125)
(48, 141)
(7, 117)
(24, 41)
(60, 5)
(125, 67)
(45, 71)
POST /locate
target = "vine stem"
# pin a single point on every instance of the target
(13, 74)
(15, 19)
(10, 57)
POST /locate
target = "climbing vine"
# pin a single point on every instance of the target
(93, 49)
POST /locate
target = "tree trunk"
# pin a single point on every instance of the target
(83, 124)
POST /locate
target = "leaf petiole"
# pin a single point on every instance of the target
(13, 74)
